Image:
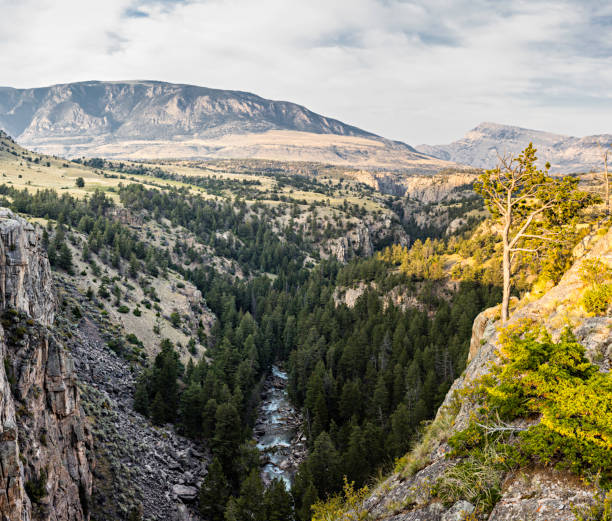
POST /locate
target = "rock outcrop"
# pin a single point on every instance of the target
(45, 443)
(360, 241)
(25, 276)
(536, 493)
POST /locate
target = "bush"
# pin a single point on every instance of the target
(133, 339)
(80, 182)
(348, 506)
(175, 319)
(597, 299)
(137, 312)
(555, 382)
(36, 488)
(123, 309)
(116, 345)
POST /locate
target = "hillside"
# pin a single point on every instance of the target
(225, 328)
(203, 275)
(149, 119)
(469, 463)
(481, 145)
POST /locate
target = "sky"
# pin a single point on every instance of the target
(421, 71)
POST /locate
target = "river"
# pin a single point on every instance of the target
(278, 431)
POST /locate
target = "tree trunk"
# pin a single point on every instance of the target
(506, 271)
(607, 184)
(506, 262)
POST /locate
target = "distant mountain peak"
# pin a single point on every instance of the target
(480, 147)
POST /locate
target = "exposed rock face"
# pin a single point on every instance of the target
(361, 239)
(538, 493)
(480, 146)
(152, 119)
(45, 442)
(356, 242)
(25, 277)
(438, 188)
(446, 185)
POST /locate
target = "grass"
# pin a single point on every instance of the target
(476, 479)
(435, 433)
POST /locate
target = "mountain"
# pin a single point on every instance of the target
(150, 119)
(480, 146)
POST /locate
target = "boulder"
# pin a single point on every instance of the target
(185, 492)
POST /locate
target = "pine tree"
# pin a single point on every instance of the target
(214, 492)
(324, 465)
(141, 397)
(355, 459)
(64, 259)
(228, 434)
(190, 407)
(208, 418)
(277, 502)
(249, 505)
(531, 207)
(158, 410)
(401, 430)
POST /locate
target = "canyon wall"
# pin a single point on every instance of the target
(45, 441)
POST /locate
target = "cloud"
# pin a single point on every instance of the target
(133, 12)
(419, 71)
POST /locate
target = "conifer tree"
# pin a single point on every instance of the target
(531, 207)
(277, 502)
(158, 410)
(141, 397)
(249, 505)
(214, 492)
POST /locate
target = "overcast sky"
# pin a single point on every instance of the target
(420, 71)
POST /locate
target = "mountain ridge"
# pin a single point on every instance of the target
(152, 119)
(480, 146)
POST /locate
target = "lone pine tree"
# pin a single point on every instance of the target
(531, 207)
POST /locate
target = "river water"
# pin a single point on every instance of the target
(278, 431)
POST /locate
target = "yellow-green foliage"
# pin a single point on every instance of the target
(598, 297)
(552, 381)
(422, 260)
(347, 506)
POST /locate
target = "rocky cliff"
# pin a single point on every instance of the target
(537, 493)
(481, 145)
(45, 442)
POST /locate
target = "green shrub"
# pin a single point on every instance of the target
(123, 309)
(132, 339)
(175, 319)
(597, 299)
(36, 488)
(116, 345)
(554, 382)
